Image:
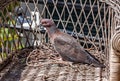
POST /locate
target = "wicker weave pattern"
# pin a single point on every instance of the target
(91, 22)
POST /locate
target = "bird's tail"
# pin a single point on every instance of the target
(95, 62)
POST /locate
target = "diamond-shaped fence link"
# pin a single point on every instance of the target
(91, 22)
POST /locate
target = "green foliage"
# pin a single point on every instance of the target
(7, 35)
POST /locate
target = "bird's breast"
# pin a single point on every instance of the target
(52, 38)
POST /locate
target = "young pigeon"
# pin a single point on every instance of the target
(68, 47)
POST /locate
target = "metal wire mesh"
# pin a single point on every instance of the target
(91, 22)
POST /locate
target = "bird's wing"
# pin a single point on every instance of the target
(69, 48)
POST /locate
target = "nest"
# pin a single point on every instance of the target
(43, 55)
(46, 55)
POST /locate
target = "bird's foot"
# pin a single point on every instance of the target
(60, 59)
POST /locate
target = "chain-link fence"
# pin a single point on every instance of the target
(91, 22)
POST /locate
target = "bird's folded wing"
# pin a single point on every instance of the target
(69, 49)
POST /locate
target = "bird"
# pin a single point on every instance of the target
(68, 47)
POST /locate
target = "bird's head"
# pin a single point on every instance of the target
(47, 23)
